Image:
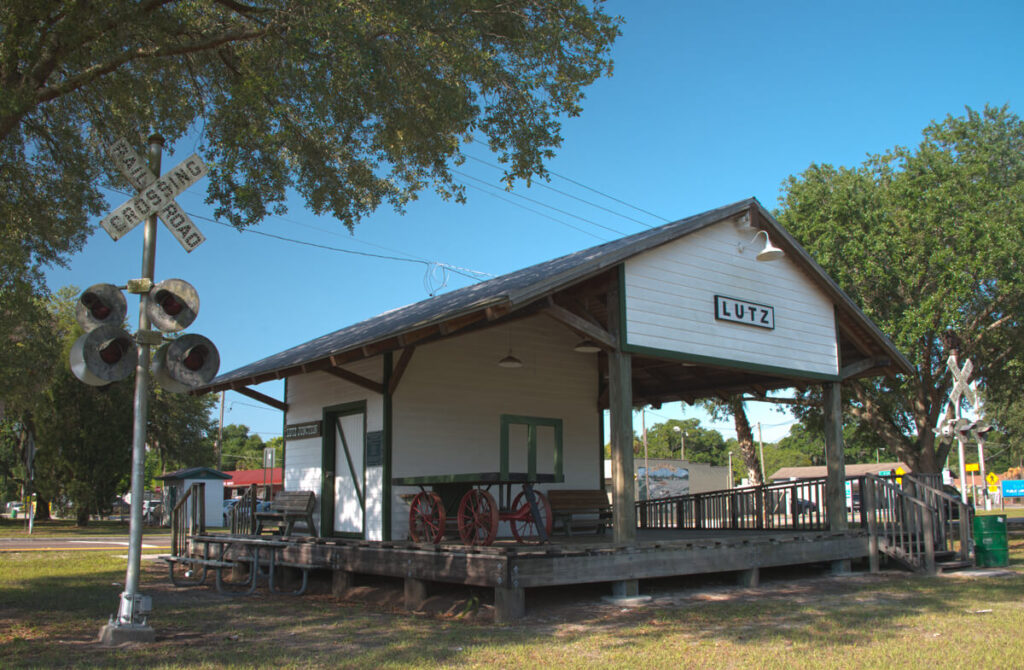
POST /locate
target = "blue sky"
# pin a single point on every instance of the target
(709, 103)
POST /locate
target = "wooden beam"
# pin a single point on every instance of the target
(458, 323)
(358, 380)
(265, 399)
(782, 401)
(860, 367)
(582, 326)
(396, 374)
(414, 336)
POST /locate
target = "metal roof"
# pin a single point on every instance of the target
(521, 287)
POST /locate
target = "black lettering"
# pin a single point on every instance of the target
(764, 317)
(153, 196)
(183, 177)
(194, 167)
(725, 308)
(739, 311)
(165, 190)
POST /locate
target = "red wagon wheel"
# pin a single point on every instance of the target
(426, 518)
(478, 517)
(523, 527)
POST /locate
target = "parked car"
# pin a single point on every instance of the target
(229, 505)
(805, 506)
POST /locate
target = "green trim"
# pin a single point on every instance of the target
(348, 457)
(329, 465)
(726, 363)
(531, 423)
(386, 410)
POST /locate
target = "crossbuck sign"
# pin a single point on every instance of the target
(156, 196)
(960, 386)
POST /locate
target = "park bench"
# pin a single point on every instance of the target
(576, 508)
(287, 508)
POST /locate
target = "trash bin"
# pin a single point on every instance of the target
(991, 549)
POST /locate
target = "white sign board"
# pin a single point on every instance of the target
(156, 196)
(745, 312)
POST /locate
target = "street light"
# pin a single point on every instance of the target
(682, 442)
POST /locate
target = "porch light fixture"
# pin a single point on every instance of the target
(586, 347)
(770, 252)
(510, 361)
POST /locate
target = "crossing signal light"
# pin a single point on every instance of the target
(99, 305)
(173, 305)
(186, 363)
(104, 355)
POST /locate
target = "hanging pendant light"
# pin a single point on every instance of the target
(586, 347)
(770, 252)
(510, 360)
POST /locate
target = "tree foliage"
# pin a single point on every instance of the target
(351, 104)
(928, 241)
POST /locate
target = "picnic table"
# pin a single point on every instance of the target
(467, 499)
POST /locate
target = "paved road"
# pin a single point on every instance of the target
(160, 543)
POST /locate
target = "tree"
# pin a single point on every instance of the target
(701, 445)
(242, 451)
(351, 104)
(928, 242)
(180, 429)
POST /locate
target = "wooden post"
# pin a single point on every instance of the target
(867, 505)
(749, 578)
(509, 604)
(835, 491)
(620, 410)
(341, 582)
(415, 593)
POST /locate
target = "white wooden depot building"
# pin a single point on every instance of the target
(679, 312)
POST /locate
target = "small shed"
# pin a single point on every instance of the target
(513, 375)
(177, 483)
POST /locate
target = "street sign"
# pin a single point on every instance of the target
(991, 478)
(971, 467)
(1013, 488)
(156, 196)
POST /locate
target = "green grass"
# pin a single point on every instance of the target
(53, 604)
(66, 528)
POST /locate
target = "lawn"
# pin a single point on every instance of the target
(53, 604)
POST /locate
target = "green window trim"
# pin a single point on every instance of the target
(531, 423)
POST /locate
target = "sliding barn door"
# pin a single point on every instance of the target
(344, 510)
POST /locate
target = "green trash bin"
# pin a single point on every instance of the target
(991, 549)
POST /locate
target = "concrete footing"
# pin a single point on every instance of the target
(113, 634)
(749, 578)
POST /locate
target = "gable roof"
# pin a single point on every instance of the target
(198, 472)
(509, 292)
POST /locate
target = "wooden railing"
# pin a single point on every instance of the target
(783, 506)
(188, 518)
(899, 525)
(243, 514)
(952, 521)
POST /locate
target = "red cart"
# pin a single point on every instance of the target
(466, 499)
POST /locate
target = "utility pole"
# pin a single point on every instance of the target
(761, 444)
(220, 434)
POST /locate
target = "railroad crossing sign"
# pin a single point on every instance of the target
(156, 195)
(960, 386)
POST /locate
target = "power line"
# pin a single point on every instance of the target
(593, 190)
(529, 209)
(570, 195)
(538, 202)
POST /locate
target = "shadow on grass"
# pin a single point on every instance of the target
(56, 614)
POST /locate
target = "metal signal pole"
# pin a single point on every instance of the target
(130, 624)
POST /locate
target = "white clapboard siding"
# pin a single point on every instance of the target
(308, 395)
(448, 406)
(670, 293)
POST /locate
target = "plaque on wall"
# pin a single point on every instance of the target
(744, 312)
(375, 448)
(301, 431)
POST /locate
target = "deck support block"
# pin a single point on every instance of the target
(841, 567)
(627, 588)
(415, 593)
(749, 578)
(341, 582)
(509, 604)
(240, 571)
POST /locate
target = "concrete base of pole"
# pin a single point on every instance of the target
(114, 634)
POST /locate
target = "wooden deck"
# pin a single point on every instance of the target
(510, 568)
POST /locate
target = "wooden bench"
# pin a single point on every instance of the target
(568, 504)
(287, 508)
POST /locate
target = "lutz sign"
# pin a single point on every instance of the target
(744, 312)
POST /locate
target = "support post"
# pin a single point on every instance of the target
(509, 604)
(835, 484)
(415, 593)
(620, 410)
(341, 582)
(750, 578)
